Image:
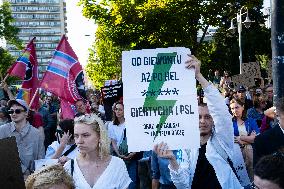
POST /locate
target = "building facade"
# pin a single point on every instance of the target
(43, 19)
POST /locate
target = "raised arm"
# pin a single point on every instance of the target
(8, 91)
(217, 107)
(194, 63)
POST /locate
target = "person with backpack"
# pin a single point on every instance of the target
(94, 167)
(117, 134)
(64, 148)
(213, 164)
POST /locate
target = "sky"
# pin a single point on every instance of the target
(266, 3)
(77, 34)
(80, 31)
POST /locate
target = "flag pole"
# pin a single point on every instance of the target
(1, 77)
(3, 80)
(32, 100)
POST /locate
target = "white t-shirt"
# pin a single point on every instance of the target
(116, 132)
(115, 176)
(242, 130)
(51, 149)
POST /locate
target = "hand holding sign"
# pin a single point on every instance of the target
(162, 150)
(164, 103)
(193, 62)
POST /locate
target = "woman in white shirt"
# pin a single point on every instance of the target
(64, 148)
(117, 134)
(245, 131)
(95, 168)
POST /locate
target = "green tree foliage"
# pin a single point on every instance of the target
(6, 61)
(9, 33)
(7, 30)
(255, 40)
(137, 24)
(105, 62)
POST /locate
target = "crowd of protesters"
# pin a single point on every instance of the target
(241, 138)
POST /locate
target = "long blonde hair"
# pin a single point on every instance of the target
(98, 126)
(48, 177)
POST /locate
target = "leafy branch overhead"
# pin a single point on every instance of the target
(138, 24)
(9, 33)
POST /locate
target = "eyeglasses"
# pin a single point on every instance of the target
(17, 111)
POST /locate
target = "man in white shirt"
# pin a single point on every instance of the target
(211, 165)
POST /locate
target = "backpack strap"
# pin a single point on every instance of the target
(69, 150)
(124, 134)
(72, 167)
(223, 154)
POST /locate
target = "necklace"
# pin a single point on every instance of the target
(240, 122)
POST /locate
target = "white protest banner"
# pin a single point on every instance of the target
(160, 100)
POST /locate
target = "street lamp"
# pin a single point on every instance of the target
(232, 29)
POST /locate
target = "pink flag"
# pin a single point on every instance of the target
(64, 75)
(26, 68)
(24, 63)
(67, 112)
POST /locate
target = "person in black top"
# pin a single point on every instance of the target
(272, 140)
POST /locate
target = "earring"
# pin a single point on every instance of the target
(100, 150)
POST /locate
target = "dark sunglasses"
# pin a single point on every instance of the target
(60, 132)
(17, 111)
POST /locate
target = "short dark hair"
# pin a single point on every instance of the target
(67, 125)
(271, 168)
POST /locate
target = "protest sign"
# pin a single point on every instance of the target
(10, 167)
(243, 79)
(110, 95)
(252, 68)
(160, 100)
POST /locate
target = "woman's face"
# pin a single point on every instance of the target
(119, 111)
(237, 109)
(262, 104)
(86, 139)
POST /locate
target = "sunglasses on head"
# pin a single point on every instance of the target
(17, 111)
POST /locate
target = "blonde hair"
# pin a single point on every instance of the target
(98, 126)
(48, 177)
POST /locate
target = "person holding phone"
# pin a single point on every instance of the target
(64, 147)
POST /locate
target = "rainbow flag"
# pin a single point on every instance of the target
(24, 94)
(26, 68)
